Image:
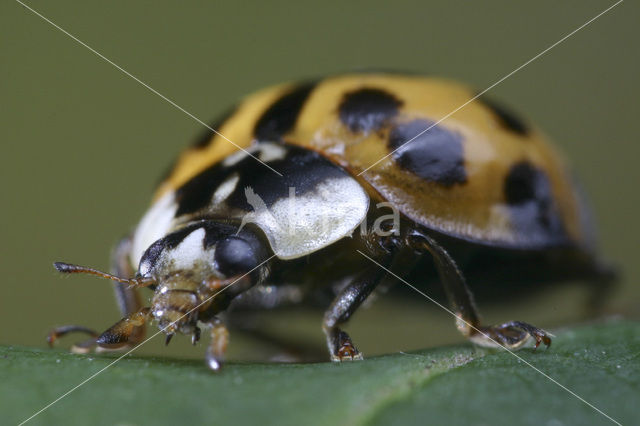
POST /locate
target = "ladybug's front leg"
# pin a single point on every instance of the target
(123, 333)
(340, 346)
(510, 335)
(126, 296)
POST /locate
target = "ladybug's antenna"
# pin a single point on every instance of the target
(69, 268)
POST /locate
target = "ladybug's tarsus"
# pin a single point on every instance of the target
(58, 332)
(217, 346)
(339, 343)
(344, 349)
(510, 335)
(120, 334)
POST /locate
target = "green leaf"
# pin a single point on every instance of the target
(450, 385)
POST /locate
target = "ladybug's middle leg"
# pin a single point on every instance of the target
(246, 317)
(340, 346)
(510, 335)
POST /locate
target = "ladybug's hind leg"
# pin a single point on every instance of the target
(510, 335)
(340, 346)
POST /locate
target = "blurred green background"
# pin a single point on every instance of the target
(83, 145)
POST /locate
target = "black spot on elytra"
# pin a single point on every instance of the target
(281, 116)
(203, 140)
(525, 183)
(528, 193)
(507, 118)
(368, 109)
(301, 169)
(436, 155)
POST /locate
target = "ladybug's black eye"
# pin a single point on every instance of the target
(234, 256)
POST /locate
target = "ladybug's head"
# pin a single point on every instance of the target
(202, 251)
(194, 271)
(192, 265)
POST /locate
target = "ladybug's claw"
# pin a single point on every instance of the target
(543, 337)
(344, 349)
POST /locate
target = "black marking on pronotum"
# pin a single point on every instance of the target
(301, 169)
(506, 117)
(214, 232)
(281, 116)
(436, 155)
(528, 193)
(207, 134)
(368, 109)
(152, 254)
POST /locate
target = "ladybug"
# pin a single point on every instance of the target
(329, 184)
